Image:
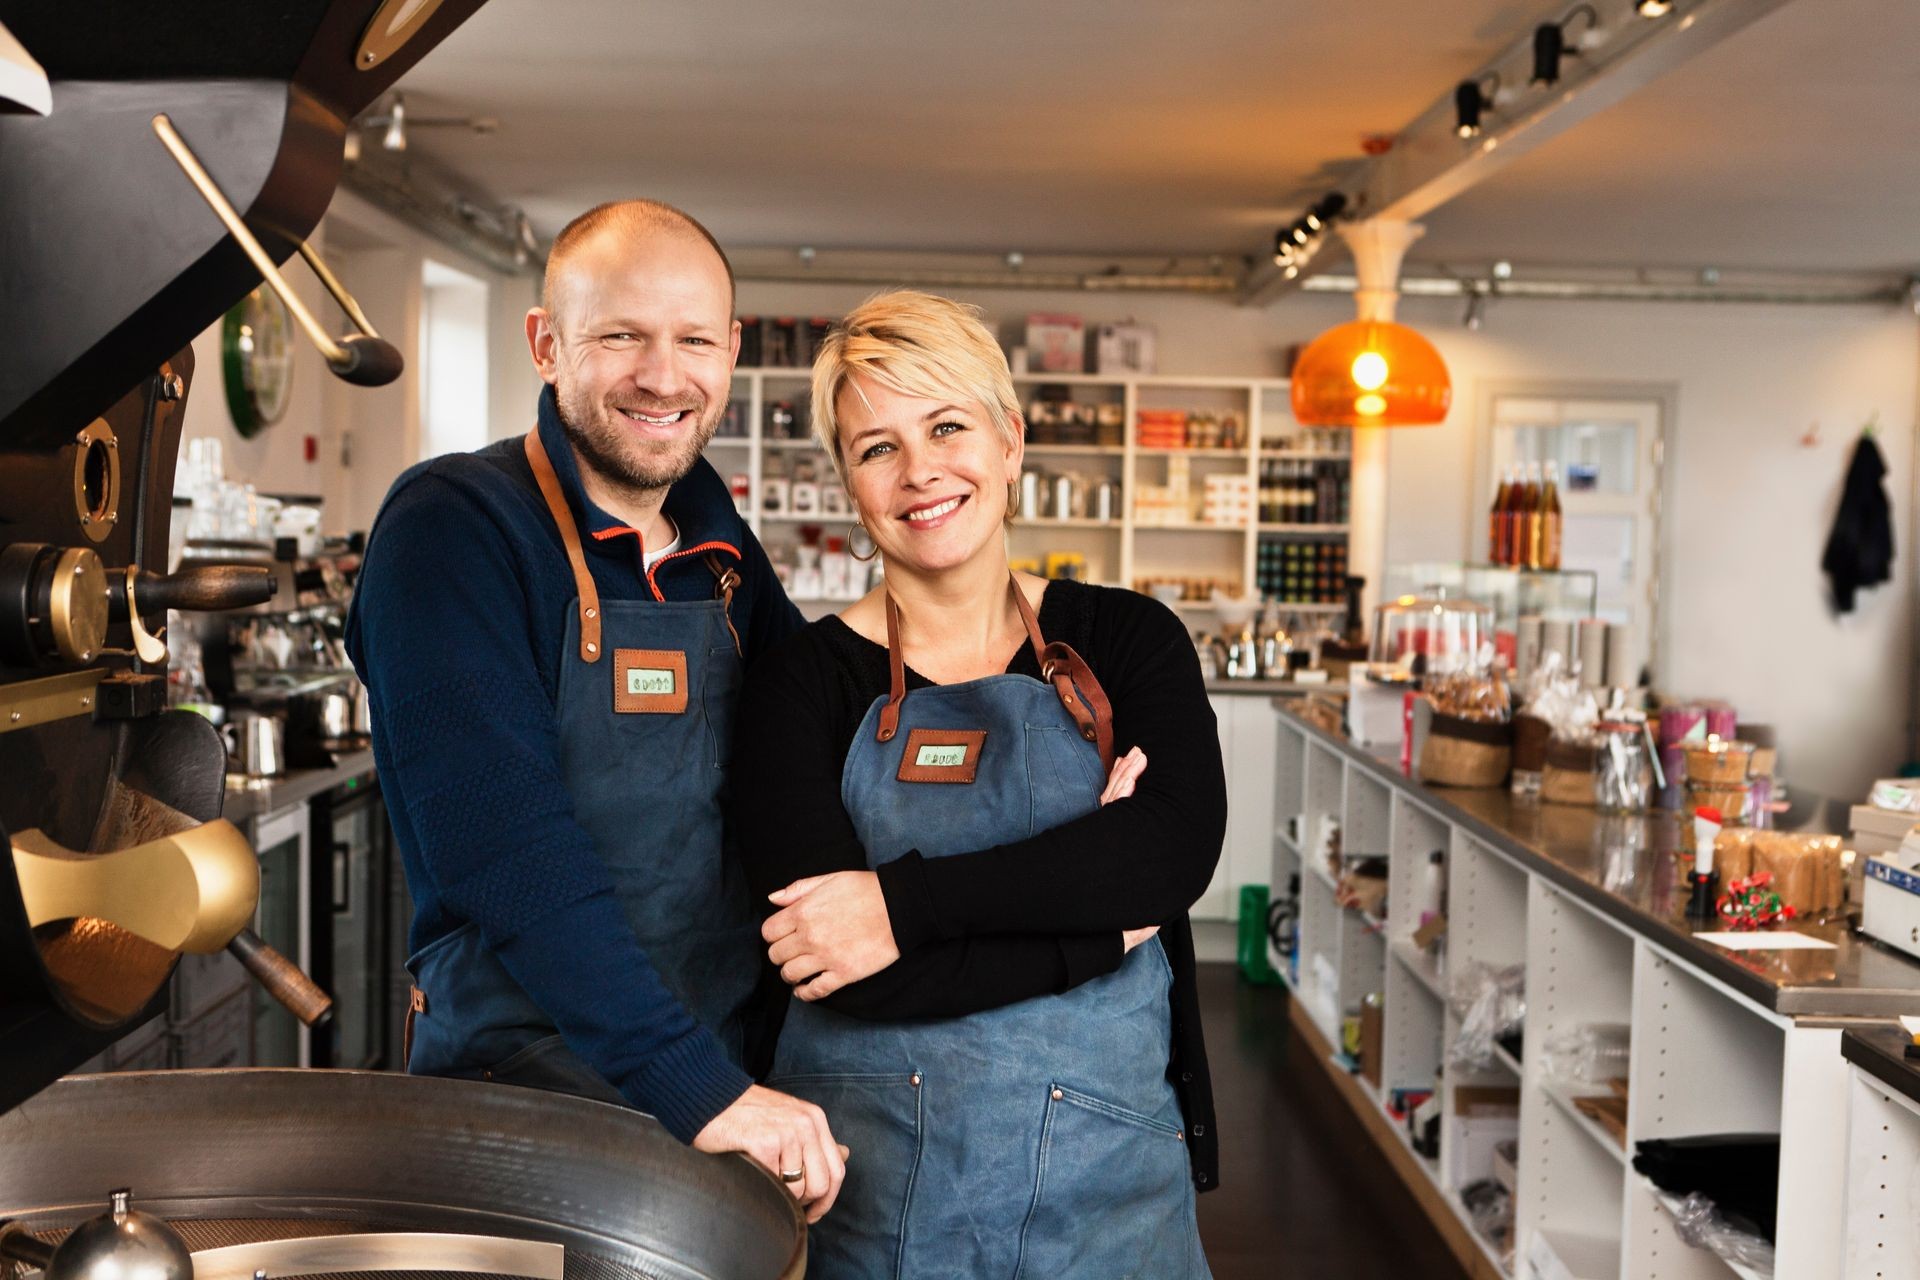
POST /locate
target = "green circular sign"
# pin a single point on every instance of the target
(256, 357)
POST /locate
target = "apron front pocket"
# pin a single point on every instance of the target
(1112, 1197)
(877, 1118)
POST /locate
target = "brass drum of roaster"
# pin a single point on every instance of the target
(233, 1157)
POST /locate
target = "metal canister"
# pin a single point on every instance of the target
(1033, 491)
(1066, 496)
(1104, 502)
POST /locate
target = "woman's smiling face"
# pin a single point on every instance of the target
(928, 477)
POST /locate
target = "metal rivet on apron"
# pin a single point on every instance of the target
(1203, 1179)
(1199, 1131)
(1057, 1095)
(1087, 734)
(1180, 1135)
(592, 648)
(593, 613)
(914, 1079)
(1186, 1077)
(1066, 700)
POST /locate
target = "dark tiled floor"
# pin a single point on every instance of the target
(1303, 1190)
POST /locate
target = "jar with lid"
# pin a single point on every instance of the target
(1623, 769)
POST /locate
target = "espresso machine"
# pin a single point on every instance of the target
(161, 162)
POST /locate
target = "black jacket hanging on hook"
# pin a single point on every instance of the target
(1860, 548)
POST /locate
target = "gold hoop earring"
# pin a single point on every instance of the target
(857, 527)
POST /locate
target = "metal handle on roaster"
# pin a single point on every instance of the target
(193, 891)
(365, 358)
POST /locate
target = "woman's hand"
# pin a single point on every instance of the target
(1131, 938)
(1126, 771)
(830, 930)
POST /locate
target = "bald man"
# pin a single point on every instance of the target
(553, 631)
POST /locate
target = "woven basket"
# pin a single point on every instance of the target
(1568, 776)
(1466, 753)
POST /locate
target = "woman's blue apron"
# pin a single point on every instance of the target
(644, 714)
(1041, 1139)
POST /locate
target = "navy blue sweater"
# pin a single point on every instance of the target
(457, 627)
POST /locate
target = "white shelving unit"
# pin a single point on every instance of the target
(1119, 551)
(1883, 1163)
(1704, 1058)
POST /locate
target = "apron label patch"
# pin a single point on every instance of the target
(941, 755)
(649, 681)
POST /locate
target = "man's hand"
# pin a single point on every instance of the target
(782, 1134)
(831, 930)
(1131, 938)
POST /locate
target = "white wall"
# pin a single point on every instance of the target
(365, 436)
(1747, 507)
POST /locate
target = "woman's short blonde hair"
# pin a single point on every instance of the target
(915, 344)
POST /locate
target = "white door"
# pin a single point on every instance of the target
(1608, 453)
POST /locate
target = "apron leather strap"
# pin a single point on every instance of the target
(1060, 666)
(896, 676)
(1073, 680)
(416, 1005)
(726, 580)
(589, 595)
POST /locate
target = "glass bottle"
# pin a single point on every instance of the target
(1497, 520)
(1526, 524)
(1549, 522)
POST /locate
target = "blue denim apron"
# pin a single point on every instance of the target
(645, 717)
(1041, 1139)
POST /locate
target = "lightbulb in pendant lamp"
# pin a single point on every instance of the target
(1653, 8)
(1372, 372)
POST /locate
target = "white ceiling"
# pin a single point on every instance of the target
(1138, 127)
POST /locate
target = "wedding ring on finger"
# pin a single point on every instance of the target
(793, 1175)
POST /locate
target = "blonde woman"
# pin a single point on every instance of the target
(981, 911)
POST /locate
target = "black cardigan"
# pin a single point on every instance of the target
(1035, 917)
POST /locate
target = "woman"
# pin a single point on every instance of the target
(983, 1008)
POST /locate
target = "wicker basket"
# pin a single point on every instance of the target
(1568, 776)
(1466, 753)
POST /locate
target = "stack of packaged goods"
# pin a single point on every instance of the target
(1161, 428)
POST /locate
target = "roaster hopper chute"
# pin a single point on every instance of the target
(189, 150)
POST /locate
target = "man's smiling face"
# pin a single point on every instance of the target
(642, 355)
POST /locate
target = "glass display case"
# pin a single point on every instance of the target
(1565, 595)
(1558, 595)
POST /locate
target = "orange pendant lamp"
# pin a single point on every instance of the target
(1372, 372)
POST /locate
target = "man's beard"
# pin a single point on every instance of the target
(599, 434)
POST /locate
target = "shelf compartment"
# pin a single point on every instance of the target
(1883, 1182)
(1422, 969)
(1556, 1254)
(1414, 1027)
(1564, 1097)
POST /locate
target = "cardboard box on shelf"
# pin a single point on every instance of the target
(1123, 348)
(1056, 343)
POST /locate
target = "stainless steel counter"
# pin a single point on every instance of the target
(1633, 870)
(1274, 688)
(247, 801)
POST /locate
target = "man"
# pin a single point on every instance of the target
(553, 630)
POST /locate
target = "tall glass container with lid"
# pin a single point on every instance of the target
(1433, 635)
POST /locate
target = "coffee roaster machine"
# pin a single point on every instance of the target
(177, 156)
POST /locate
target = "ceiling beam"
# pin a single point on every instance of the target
(1429, 163)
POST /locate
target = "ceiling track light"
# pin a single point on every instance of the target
(395, 139)
(1653, 8)
(1470, 100)
(1550, 44)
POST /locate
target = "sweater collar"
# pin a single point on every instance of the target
(699, 505)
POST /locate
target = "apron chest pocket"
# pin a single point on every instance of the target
(720, 699)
